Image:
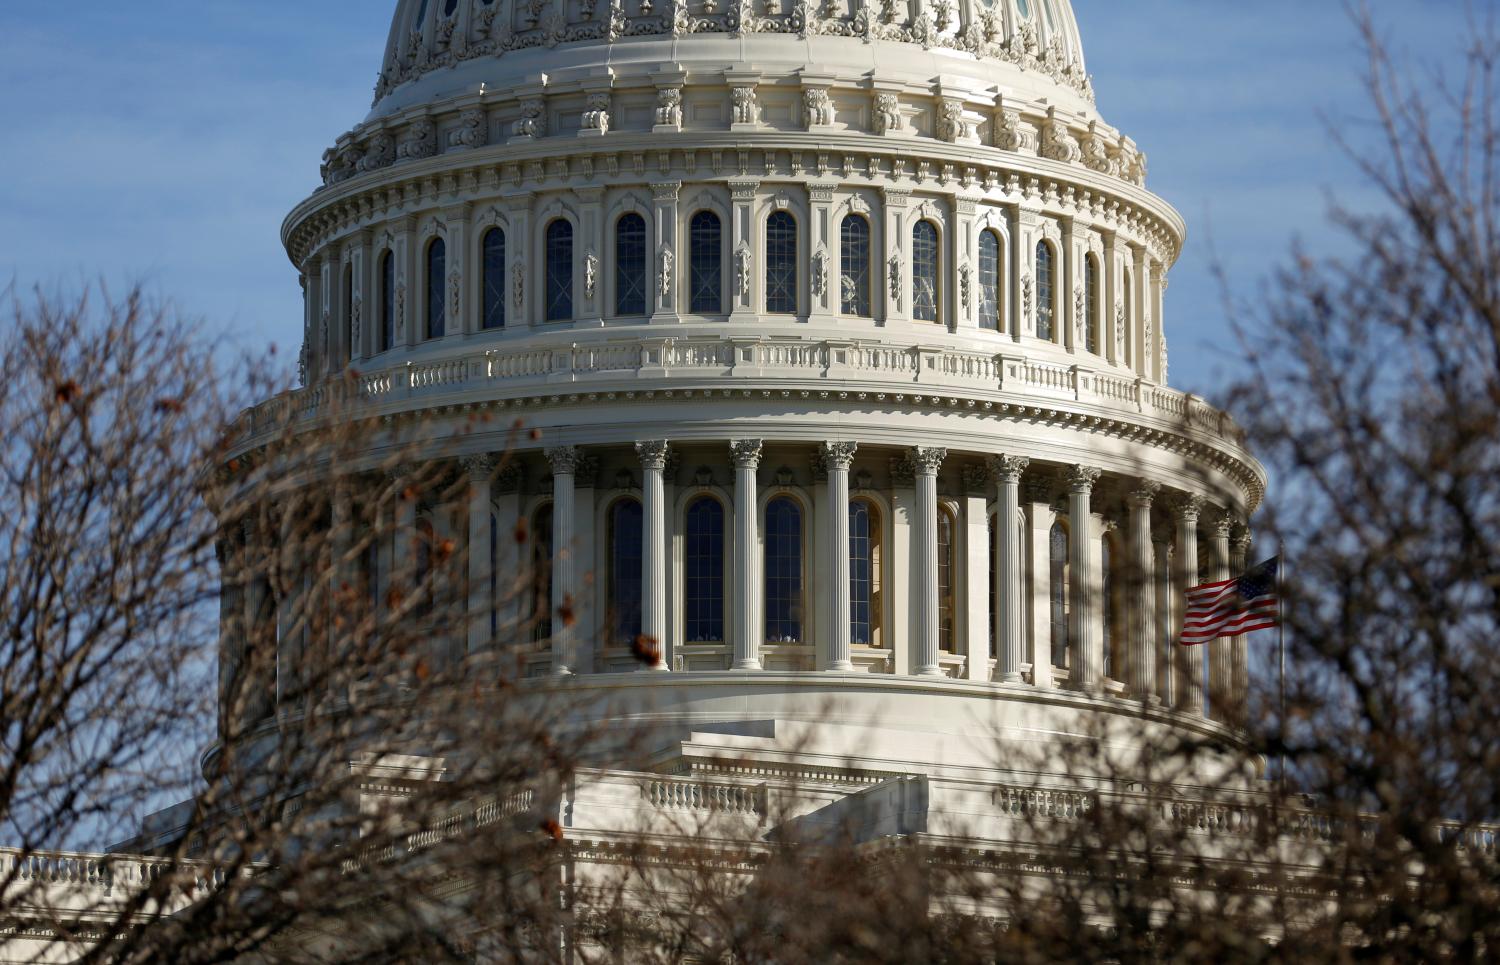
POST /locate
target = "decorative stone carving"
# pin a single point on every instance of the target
(518, 283)
(1144, 492)
(1120, 333)
(669, 107)
(837, 455)
(302, 363)
(744, 266)
(893, 280)
(596, 118)
(470, 133)
(380, 152)
(1081, 479)
(530, 123)
(652, 453)
(421, 140)
(565, 460)
(746, 110)
(1096, 153)
(664, 264)
(745, 453)
(1008, 468)
(965, 286)
(927, 460)
(355, 311)
(401, 309)
(1058, 142)
(819, 279)
(1026, 298)
(1080, 319)
(1010, 134)
(679, 18)
(590, 274)
(951, 126)
(903, 471)
(887, 115)
(943, 14)
(455, 295)
(817, 108)
(479, 467)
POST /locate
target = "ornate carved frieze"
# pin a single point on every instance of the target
(745, 453)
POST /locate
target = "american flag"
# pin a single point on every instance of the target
(1229, 608)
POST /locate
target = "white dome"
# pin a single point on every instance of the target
(441, 48)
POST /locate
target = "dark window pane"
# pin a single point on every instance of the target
(541, 573)
(1091, 303)
(854, 266)
(705, 244)
(387, 301)
(781, 264)
(1058, 548)
(494, 278)
(1044, 288)
(703, 582)
(861, 573)
(559, 271)
(625, 570)
(989, 281)
(783, 571)
(947, 569)
(924, 272)
(630, 265)
(348, 312)
(437, 259)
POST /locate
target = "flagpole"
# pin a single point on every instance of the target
(1281, 648)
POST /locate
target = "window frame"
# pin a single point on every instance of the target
(994, 287)
(937, 271)
(797, 604)
(1046, 290)
(549, 265)
(620, 276)
(784, 284)
(435, 312)
(705, 264)
(719, 573)
(492, 282)
(864, 294)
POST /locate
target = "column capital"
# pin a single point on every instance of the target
(1189, 507)
(1243, 538)
(1222, 523)
(1081, 479)
(1144, 493)
(665, 190)
(564, 460)
(479, 467)
(745, 453)
(928, 459)
(838, 455)
(1008, 469)
(652, 453)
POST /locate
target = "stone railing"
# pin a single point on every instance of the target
(887, 370)
(689, 795)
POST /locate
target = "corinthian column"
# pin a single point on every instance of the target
(1221, 651)
(926, 461)
(1142, 646)
(1190, 694)
(1010, 622)
(653, 455)
(1083, 622)
(837, 457)
(747, 633)
(564, 462)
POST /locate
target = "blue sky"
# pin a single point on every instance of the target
(164, 140)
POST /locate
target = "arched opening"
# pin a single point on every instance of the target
(387, 301)
(703, 576)
(947, 573)
(1112, 585)
(866, 569)
(705, 261)
(925, 267)
(783, 571)
(437, 260)
(854, 266)
(540, 553)
(1061, 596)
(781, 264)
(989, 280)
(630, 265)
(350, 335)
(1046, 290)
(559, 271)
(1091, 303)
(493, 269)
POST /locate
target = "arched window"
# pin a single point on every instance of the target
(437, 260)
(866, 565)
(989, 280)
(1091, 302)
(625, 564)
(1061, 598)
(630, 265)
(349, 333)
(781, 264)
(854, 266)
(559, 270)
(1046, 278)
(705, 281)
(541, 574)
(387, 301)
(494, 278)
(947, 568)
(924, 272)
(1112, 617)
(703, 579)
(783, 557)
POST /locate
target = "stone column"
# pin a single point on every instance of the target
(1240, 691)
(670, 264)
(1142, 594)
(823, 238)
(1083, 620)
(564, 461)
(1166, 679)
(745, 251)
(927, 461)
(480, 471)
(893, 273)
(405, 311)
(459, 319)
(1221, 651)
(747, 624)
(591, 240)
(1038, 500)
(902, 554)
(1010, 625)
(965, 271)
(520, 285)
(509, 577)
(837, 458)
(653, 456)
(1190, 693)
(360, 261)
